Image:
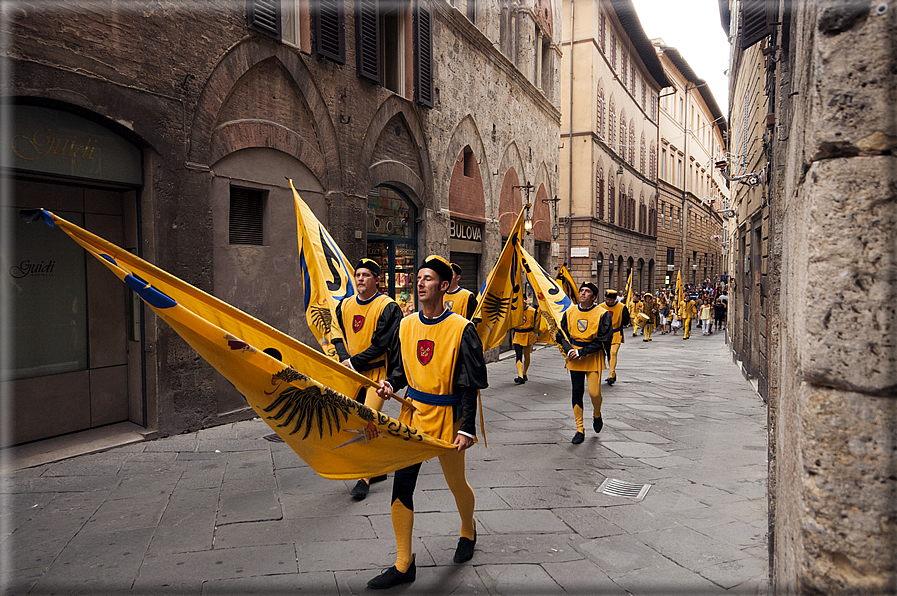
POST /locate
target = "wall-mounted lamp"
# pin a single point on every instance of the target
(598, 262)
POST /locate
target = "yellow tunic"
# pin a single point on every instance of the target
(617, 311)
(429, 355)
(359, 323)
(457, 301)
(525, 334)
(582, 328)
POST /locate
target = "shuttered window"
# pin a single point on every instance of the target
(330, 34)
(423, 55)
(367, 39)
(263, 16)
(754, 22)
(247, 208)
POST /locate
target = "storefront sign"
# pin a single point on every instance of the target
(462, 230)
(54, 142)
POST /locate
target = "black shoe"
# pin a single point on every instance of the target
(464, 552)
(378, 478)
(393, 577)
(519, 381)
(578, 438)
(611, 380)
(360, 491)
(597, 424)
(525, 379)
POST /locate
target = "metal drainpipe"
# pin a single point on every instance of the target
(685, 182)
(570, 138)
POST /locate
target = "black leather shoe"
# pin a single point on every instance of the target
(525, 379)
(611, 380)
(578, 438)
(378, 478)
(464, 552)
(393, 577)
(597, 424)
(519, 381)
(360, 491)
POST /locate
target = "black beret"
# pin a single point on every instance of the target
(442, 267)
(369, 264)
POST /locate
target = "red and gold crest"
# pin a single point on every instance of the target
(357, 323)
(424, 350)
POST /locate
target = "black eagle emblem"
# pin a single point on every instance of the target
(495, 308)
(321, 318)
(312, 407)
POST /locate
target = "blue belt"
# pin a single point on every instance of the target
(434, 399)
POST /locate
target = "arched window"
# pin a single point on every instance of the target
(599, 120)
(642, 154)
(632, 142)
(652, 219)
(611, 124)
(624, 66)
(611, 198)
(603, 33)
(599, 192)
(623, 133)
(652, 161)
(631, 208)
(642, 214)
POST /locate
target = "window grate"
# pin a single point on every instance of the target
(247, 216)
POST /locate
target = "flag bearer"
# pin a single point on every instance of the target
(590, 329)
(523, 339)
(458, 299)
(688, 312)
(620, 320)
(439, 356)
(369, 321)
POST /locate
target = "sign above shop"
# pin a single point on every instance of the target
(51, 141)
(463, 230)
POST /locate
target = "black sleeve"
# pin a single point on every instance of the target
(561, 337)
(471, 306)
(395, 368)
(624, 318)
(387, 326)
(470, 375)
(338, 342)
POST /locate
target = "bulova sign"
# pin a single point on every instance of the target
(463, 230)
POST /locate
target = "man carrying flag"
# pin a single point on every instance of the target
(620, 320)
(590, 330)
(439, 356)
(368, 322)
(458, 299)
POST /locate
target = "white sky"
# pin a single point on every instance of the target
(692, 27)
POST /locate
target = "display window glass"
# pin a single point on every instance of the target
(392, 242)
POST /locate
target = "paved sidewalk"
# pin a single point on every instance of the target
(224, 511)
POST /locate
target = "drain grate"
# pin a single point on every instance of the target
(618, 488)
(273, 438)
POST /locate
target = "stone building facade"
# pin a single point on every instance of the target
(813, 84)
(410, 128)
(610, 82)
(690, 232)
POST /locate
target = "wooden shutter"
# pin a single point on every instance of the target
(263, 16)
(330, 30)
(423, 55)
(246, 216)
(367, 39)
(754, 22)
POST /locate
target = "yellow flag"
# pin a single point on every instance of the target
(326, 274)
(552, 300)
(500, 302)
(629, 301)
(680, 294)
(565, 279)
(302, 395)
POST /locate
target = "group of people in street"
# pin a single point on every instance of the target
(437, 354)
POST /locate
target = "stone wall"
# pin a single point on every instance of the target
(835, 467)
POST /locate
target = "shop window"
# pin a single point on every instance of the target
(392, 242)
(246, 219)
